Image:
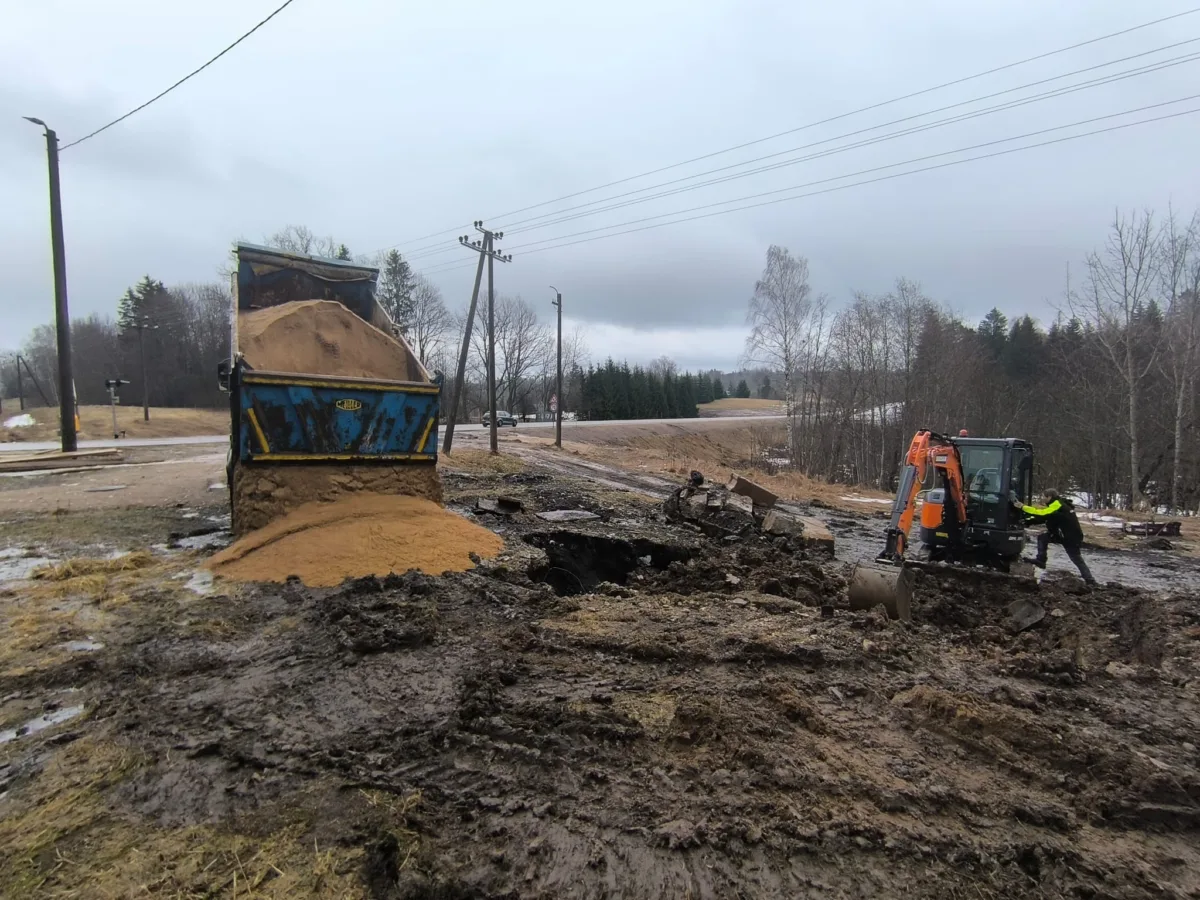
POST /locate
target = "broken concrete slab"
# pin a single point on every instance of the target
(715, 501)
(502, 506)
(782, 524)
(567, 515)
(816, 536)
(740, 503)
(756, 492)
(1024, 614)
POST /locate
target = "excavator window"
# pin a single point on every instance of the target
(982, 471)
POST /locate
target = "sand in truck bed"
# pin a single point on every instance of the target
(321, 337)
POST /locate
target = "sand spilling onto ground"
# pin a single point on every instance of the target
(263, 493)
(321, 337)
(361, 534)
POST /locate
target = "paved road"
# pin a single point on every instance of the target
(31, 446)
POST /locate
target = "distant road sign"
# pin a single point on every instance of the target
(554, 403)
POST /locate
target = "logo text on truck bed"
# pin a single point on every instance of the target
(349, 404)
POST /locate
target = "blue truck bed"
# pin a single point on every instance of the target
(286, 417)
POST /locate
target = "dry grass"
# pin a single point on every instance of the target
(480, 462)
(92, 568)
(62, 839)
(729, 403)
(96, 423)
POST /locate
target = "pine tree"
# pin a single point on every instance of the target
(704, 389)
(743, 390)
(687, 396)
(994, 332)
(395, 293)
(764, 389)
(343, 252)
(718, 388)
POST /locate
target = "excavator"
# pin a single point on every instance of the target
(968, 518)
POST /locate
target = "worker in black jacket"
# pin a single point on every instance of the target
(1062, 527)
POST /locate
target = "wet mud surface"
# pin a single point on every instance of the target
(627, 709)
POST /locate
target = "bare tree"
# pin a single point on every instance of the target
(781, 315)
(430, 319)
(522, 346)
(1180, 274)
(1120, 285)
(300, 239)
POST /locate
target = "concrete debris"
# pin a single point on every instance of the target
(732, 512)
(567, 515)
(732, 580)
(756, 492)
(501, 506)
(1024, 614)
(1120, 670)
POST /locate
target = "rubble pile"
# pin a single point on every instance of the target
(742, 509)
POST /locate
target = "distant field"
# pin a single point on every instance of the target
(728, 404)
(96, 423)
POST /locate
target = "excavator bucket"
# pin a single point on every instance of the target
(875, 582)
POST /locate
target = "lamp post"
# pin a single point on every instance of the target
(62, 320)
(558, 394)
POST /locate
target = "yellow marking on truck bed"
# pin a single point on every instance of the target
(318, 457)
(425, 436)
(381, 385)
(262, 438)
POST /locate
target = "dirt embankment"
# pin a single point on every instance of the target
(321, 337)
(619, 708)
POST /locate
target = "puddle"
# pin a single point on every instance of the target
(204, 541)
(16, 566)
(199, 581)
(88, 646)
(41, 723)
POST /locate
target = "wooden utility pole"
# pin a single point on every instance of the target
(142, 324)
(558, 391)
(62, 319)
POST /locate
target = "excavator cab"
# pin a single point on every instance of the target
(964, 486)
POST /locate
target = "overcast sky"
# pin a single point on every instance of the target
(378, 122)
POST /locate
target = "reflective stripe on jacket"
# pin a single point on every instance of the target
(1060, 520)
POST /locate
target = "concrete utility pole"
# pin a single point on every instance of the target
(558, 391)
(62, 319)
(485, 248)
(461, 375)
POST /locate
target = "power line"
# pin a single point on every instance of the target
(457, 229)
(194, 72)
(584, 236)
(1003, 107)
(904, 132)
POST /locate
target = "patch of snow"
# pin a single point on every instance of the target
(868, 500)
(88, 646)
(216, 486)
(22, 421)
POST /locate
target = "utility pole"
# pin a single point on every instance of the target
(461, 375)
(20, 385)
(485, 248)
(142, 323)
(558, 391)
(62, 319)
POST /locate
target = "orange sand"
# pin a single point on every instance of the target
(360, 534)
(321, 337)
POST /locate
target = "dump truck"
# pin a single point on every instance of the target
(325, 396)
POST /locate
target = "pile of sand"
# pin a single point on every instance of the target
(321, 337)
(361, 534)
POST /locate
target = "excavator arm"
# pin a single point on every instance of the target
(928, 451)
(886, 581)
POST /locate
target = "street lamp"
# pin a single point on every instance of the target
(558, 396)
(62, 319)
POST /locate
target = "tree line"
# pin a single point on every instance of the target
(617, 391)
(1106, 392)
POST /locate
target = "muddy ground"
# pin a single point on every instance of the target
(617, 708)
